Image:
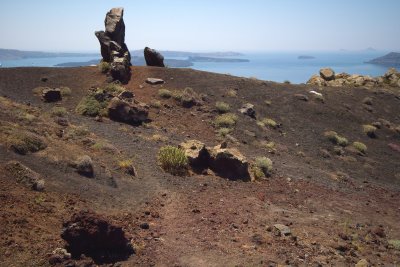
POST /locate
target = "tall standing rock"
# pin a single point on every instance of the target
(113, 47)
(153, 57)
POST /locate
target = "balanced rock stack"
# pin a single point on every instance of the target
(113, 47)
(153, 57)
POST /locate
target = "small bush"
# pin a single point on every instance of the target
(77, 132)
(65, 91)
(89, 106)
(395, 243)
(222, 107)
(287, 82)
(265, 164)
(164, 93)
(360, 147)
(177, 95)
(227, 120)
(231, 93)
(258, 173)
(370, 130)
(173, 160)
(223, 132)
(58, 111)
(104, 67)
(155, 104)
(336, 139)
(269, 122)
(114, 88)
(25, 142)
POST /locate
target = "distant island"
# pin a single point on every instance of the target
(390, 60)
(216, 59)
(12, 54)
(305, 57)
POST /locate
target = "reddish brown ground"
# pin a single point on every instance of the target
(336, 207)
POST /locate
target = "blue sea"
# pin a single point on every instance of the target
(272, 66)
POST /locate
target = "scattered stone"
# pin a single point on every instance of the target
(362, 263)
(44, 79)
(154, 81)
(153, 57)
(327, 74)
(132, 113)
(25, 175)
(126, 95)
(84, 166)
(51, 95)
(197, 154)
(58, 256)
(301, 97)
(282, 230)
(113, 47)
(248, 109)
(144, 226)
(317, 80)
(90, 234)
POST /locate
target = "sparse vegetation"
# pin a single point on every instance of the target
(127, 166)
(286, 82)
(75, 132)
(395, 243)
(155, 104)
(223, 132)
(89, 106)
(165, 93)
(58, 111)
(173, 160)
(104, 67)
(113, 88)
(159, 138)
(23, 142)
(222, 107)
(177, 95)
(267, 122)
(336, 139)
(268, 102)
(231, 93)
(370, 130)
(227, 120)
(362, 148)
(264, 164)
(65, 91)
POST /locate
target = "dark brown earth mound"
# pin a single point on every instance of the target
(331, 198)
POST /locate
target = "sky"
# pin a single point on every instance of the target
(204, 25)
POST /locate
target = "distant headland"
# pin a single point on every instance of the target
(391, 60)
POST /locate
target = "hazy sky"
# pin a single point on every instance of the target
(201, 25)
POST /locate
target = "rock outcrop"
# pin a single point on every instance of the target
(225, 162)
(25, 175)
(248, 109)
(51, 95)
(88, 233)
(113, 47)
(328, 77)
(129, 112)
(153, 57)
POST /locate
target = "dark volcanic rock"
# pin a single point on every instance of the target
(88, 233)
(153, 57)
(132, 113)
(113, 47)
(51, 95)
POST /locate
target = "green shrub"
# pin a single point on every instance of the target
(265, 164)
(58, 111)
(336, 139)
(65, 91)
(164, 93)
(155, 104)
(257, 172)
(89, 106)
(360, 147)
(114, 88)
(23, 142)
(286, 81)
(77, 132)
(222, 107)
(223, 132)
(395, 243)
(269, 122)
(231, 93)
(177, 95)
(227, 120)
(370, 130)
(173, 160)
(104, 67)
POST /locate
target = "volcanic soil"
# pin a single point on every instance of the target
(341, 205)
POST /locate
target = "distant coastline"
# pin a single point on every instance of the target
(306, 57)
(390, 60)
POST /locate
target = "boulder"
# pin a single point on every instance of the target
(25, 175)
(248, 109)
(282, 230)
(113, 47)
(51, 95)
(327, 74)
(126, 95)
(84, 166)
(197, 154)
(90, 234)
(301, 97)
(316, 80)
(154, 81)
(229, 163)
(132, 113)
(153, 57)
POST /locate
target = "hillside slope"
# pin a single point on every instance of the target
(341, 205)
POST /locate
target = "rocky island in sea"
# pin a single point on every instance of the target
(391, 60)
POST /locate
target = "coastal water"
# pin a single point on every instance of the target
(273, 66)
